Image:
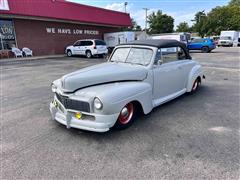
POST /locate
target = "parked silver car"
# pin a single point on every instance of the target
(137, 77)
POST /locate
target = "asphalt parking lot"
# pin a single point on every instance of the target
(192, 137)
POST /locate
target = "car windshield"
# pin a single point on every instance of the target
(132, 55)
(225, 38)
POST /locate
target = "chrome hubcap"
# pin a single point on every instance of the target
(126, 114)
(195, 85)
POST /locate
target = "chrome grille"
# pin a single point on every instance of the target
(73, 104)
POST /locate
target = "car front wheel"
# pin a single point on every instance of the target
(69, 53)
(205, 49)
(126, 116)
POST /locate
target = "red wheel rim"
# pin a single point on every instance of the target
(126, 114)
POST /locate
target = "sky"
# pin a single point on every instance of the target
(180, 10)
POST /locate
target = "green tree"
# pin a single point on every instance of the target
(223, 18)
(183, 27)
(160, 23)
(200, 23)
(134, 27)
(218, 19)
(234, 3)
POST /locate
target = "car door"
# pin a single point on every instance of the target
(168, 76)
(185, 65)
(83, 47)
(86, 45)
(76, 47)
(195, 44)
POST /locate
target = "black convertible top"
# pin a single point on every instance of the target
(160, 43)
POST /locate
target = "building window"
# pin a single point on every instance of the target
(7, 34)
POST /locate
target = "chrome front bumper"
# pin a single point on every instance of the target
(90, 122)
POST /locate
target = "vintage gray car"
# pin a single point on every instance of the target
(137, 77)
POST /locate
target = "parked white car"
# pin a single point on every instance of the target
(138, 77)
(88, 48)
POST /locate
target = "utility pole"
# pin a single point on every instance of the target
(146, 9)
(125, 5)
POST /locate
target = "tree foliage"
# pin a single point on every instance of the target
(135, 26)
(223, 18)
(234, 3)
(160, 23)
(183, 27)
(200, 21)
(218, 19)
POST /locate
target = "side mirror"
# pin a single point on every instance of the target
(159, 62)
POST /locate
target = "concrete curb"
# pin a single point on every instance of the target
(32, 58)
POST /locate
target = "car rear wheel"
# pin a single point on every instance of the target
(69, 53)
(195, 86)
(205, 49)
(126, 116)
(88, 54)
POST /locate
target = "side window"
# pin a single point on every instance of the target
(197, 40)
(169, 54)
(99, 42)
(82, 43)
(77, 43)
(88, 43)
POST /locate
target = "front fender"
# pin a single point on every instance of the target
(196, 72)
(127, 92)
(115, 96)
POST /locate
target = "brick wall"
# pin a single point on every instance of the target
(33, 34)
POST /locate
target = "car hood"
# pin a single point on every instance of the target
(102, 73)
(69, 47)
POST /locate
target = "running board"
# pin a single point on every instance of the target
(163, 100)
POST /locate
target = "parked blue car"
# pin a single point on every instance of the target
(206, 45)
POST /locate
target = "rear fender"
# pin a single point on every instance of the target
(196, 72)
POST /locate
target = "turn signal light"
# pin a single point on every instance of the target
(78, 115)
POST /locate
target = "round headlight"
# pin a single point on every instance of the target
(97, 103)
(54, 88)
